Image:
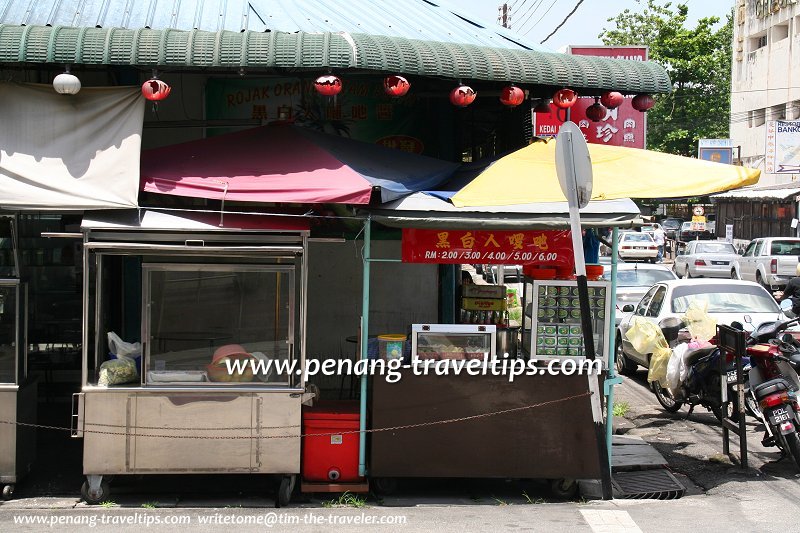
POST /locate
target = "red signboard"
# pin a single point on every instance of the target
(623, 126)
(487, 247)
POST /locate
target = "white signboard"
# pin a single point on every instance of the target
(729, 232)
(783, 147)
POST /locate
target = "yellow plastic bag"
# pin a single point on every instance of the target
(646, 337)
(700, 324)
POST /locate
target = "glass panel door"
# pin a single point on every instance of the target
(197, 317)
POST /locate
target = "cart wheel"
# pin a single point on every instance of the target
(8, 492)
(564, 488)
(285, 491)
(384, 486)
(94, 497)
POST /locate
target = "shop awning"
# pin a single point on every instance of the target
(337, 50)
(70, 153)
(148, 220)
(529, 175)
(429, 210)
(288, 164)
(784, 191)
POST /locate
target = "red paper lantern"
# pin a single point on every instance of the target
(396, 86)
(565, 98)
(462, 96)
(512, 96)
(155, 90)
(642, 102)
(328, 85)
(596, 112)
(612, 99)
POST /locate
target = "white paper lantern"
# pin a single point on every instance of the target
(66, 83)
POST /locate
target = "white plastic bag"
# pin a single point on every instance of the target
(120, 348)
(676, 368)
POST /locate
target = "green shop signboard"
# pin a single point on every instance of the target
(361, 111)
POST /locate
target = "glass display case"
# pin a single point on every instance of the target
(201, 319)
(452, 341)
(553, 318)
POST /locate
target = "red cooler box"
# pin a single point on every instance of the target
(333, 457)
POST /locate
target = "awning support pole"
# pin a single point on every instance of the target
(612, 379)
(362, 436)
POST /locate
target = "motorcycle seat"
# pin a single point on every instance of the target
(692, 356)
(770, 387)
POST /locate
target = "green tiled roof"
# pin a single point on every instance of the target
(227, 49)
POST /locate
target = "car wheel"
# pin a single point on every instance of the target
(622, 364)
(688, 273)
(760, 281)
(734, 274)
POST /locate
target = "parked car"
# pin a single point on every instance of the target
(633, 280)
(711, 259)
(637, 245)
(687, 234)
(769, 261)
(728, 301)
(672, 226)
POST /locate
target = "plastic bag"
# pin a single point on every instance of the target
(120, 348)
(646, 337)
(116, 371)
(124, 368)
(700, 324)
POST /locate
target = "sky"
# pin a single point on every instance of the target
(585, 24)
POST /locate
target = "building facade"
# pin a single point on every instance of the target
(765, 87)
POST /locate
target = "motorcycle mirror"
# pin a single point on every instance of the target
(786, 307)
(737, 325)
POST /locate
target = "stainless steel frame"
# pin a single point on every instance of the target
(18, 403)
(166, 428)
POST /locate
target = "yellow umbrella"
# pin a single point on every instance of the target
(529, 175)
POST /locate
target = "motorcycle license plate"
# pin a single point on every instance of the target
(779, 414)
(731, 376)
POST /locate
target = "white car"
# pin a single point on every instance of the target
(713, 259)
(637, 245)
(728, 301)
(633, 280)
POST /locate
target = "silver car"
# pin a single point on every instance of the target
(728, 301)
(712, 259)
(633, 280)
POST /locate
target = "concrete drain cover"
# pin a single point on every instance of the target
(657, 484)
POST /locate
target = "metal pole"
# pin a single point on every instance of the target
(612, 346)
(362, 436)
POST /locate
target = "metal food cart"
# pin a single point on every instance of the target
(18, 392)
(196, 289)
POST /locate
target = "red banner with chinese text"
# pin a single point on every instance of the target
(623, 126)
(548, 247)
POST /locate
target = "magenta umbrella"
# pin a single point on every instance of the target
(288, 164)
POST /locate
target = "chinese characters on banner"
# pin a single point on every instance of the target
(487, 247)
(623, 126)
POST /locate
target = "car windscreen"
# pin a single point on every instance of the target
(725, 298)
(637, 237)
(670, 224)
(715, 248)
(686, 226)
(639, 278)
(784, 248)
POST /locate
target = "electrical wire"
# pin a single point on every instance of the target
(531, 11)
(574, 9)
(540, 18)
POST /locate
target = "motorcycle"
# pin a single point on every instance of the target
(703, 383)
(774, 381)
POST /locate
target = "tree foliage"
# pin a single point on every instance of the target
(698, 61)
